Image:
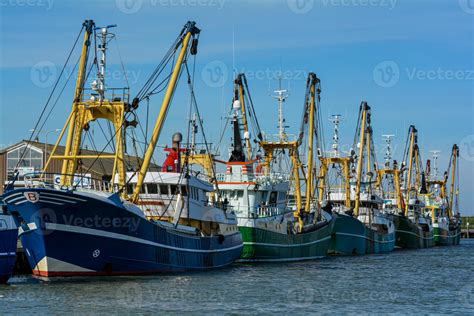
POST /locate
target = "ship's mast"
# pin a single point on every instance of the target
(194, 130)
(454, 157)
(392, 174)
(188, 35)
(411, 157)
(364, 108)
(86, 111)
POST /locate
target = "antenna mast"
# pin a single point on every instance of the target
(99, 85)
(335, 119)
(435, 153)
(281, 96)
(388, 151)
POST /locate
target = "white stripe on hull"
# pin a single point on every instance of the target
(411, 233)
(448, 235)
(286, 246)
(280, 259)
(367, 238)
(101, 233)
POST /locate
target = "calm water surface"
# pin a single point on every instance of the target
(430, 281)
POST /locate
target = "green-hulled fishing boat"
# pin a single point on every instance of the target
(277, 222)
(444, 209)
(361, 227)
(413, 227)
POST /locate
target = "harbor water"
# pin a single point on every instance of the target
(439, 280)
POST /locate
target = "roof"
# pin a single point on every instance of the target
(101, 166)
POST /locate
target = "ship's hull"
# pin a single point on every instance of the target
(377, 242)
(446, 237)
(262, 245)
(409, 235)
(349, 236)
(66, 234)
(8, 241)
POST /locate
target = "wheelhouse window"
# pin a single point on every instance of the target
(174, 189)
(152, 188)
(164, 189)
(273, 197)
(130, 188)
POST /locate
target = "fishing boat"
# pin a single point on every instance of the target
(277, 222)
(94, 227)
(413, 226)
(446, 223)
(348, 237)
(8, 244)
(362, 226)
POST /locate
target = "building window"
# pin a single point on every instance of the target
(31, 160)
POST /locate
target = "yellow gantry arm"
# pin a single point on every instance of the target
(325, 164)
(69, 165)
(161, 117)
(453, 178)
(244, 117)
(398, 188)
(309, 174)
(323, 172)
(296, 174)
(410, 167)
(361, 156)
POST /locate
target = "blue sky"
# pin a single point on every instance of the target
(411, 60)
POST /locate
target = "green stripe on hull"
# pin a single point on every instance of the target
(409, 236)
(265, 245)
(351, 236)
(444, 237)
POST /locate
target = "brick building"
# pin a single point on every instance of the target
(38, 153)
